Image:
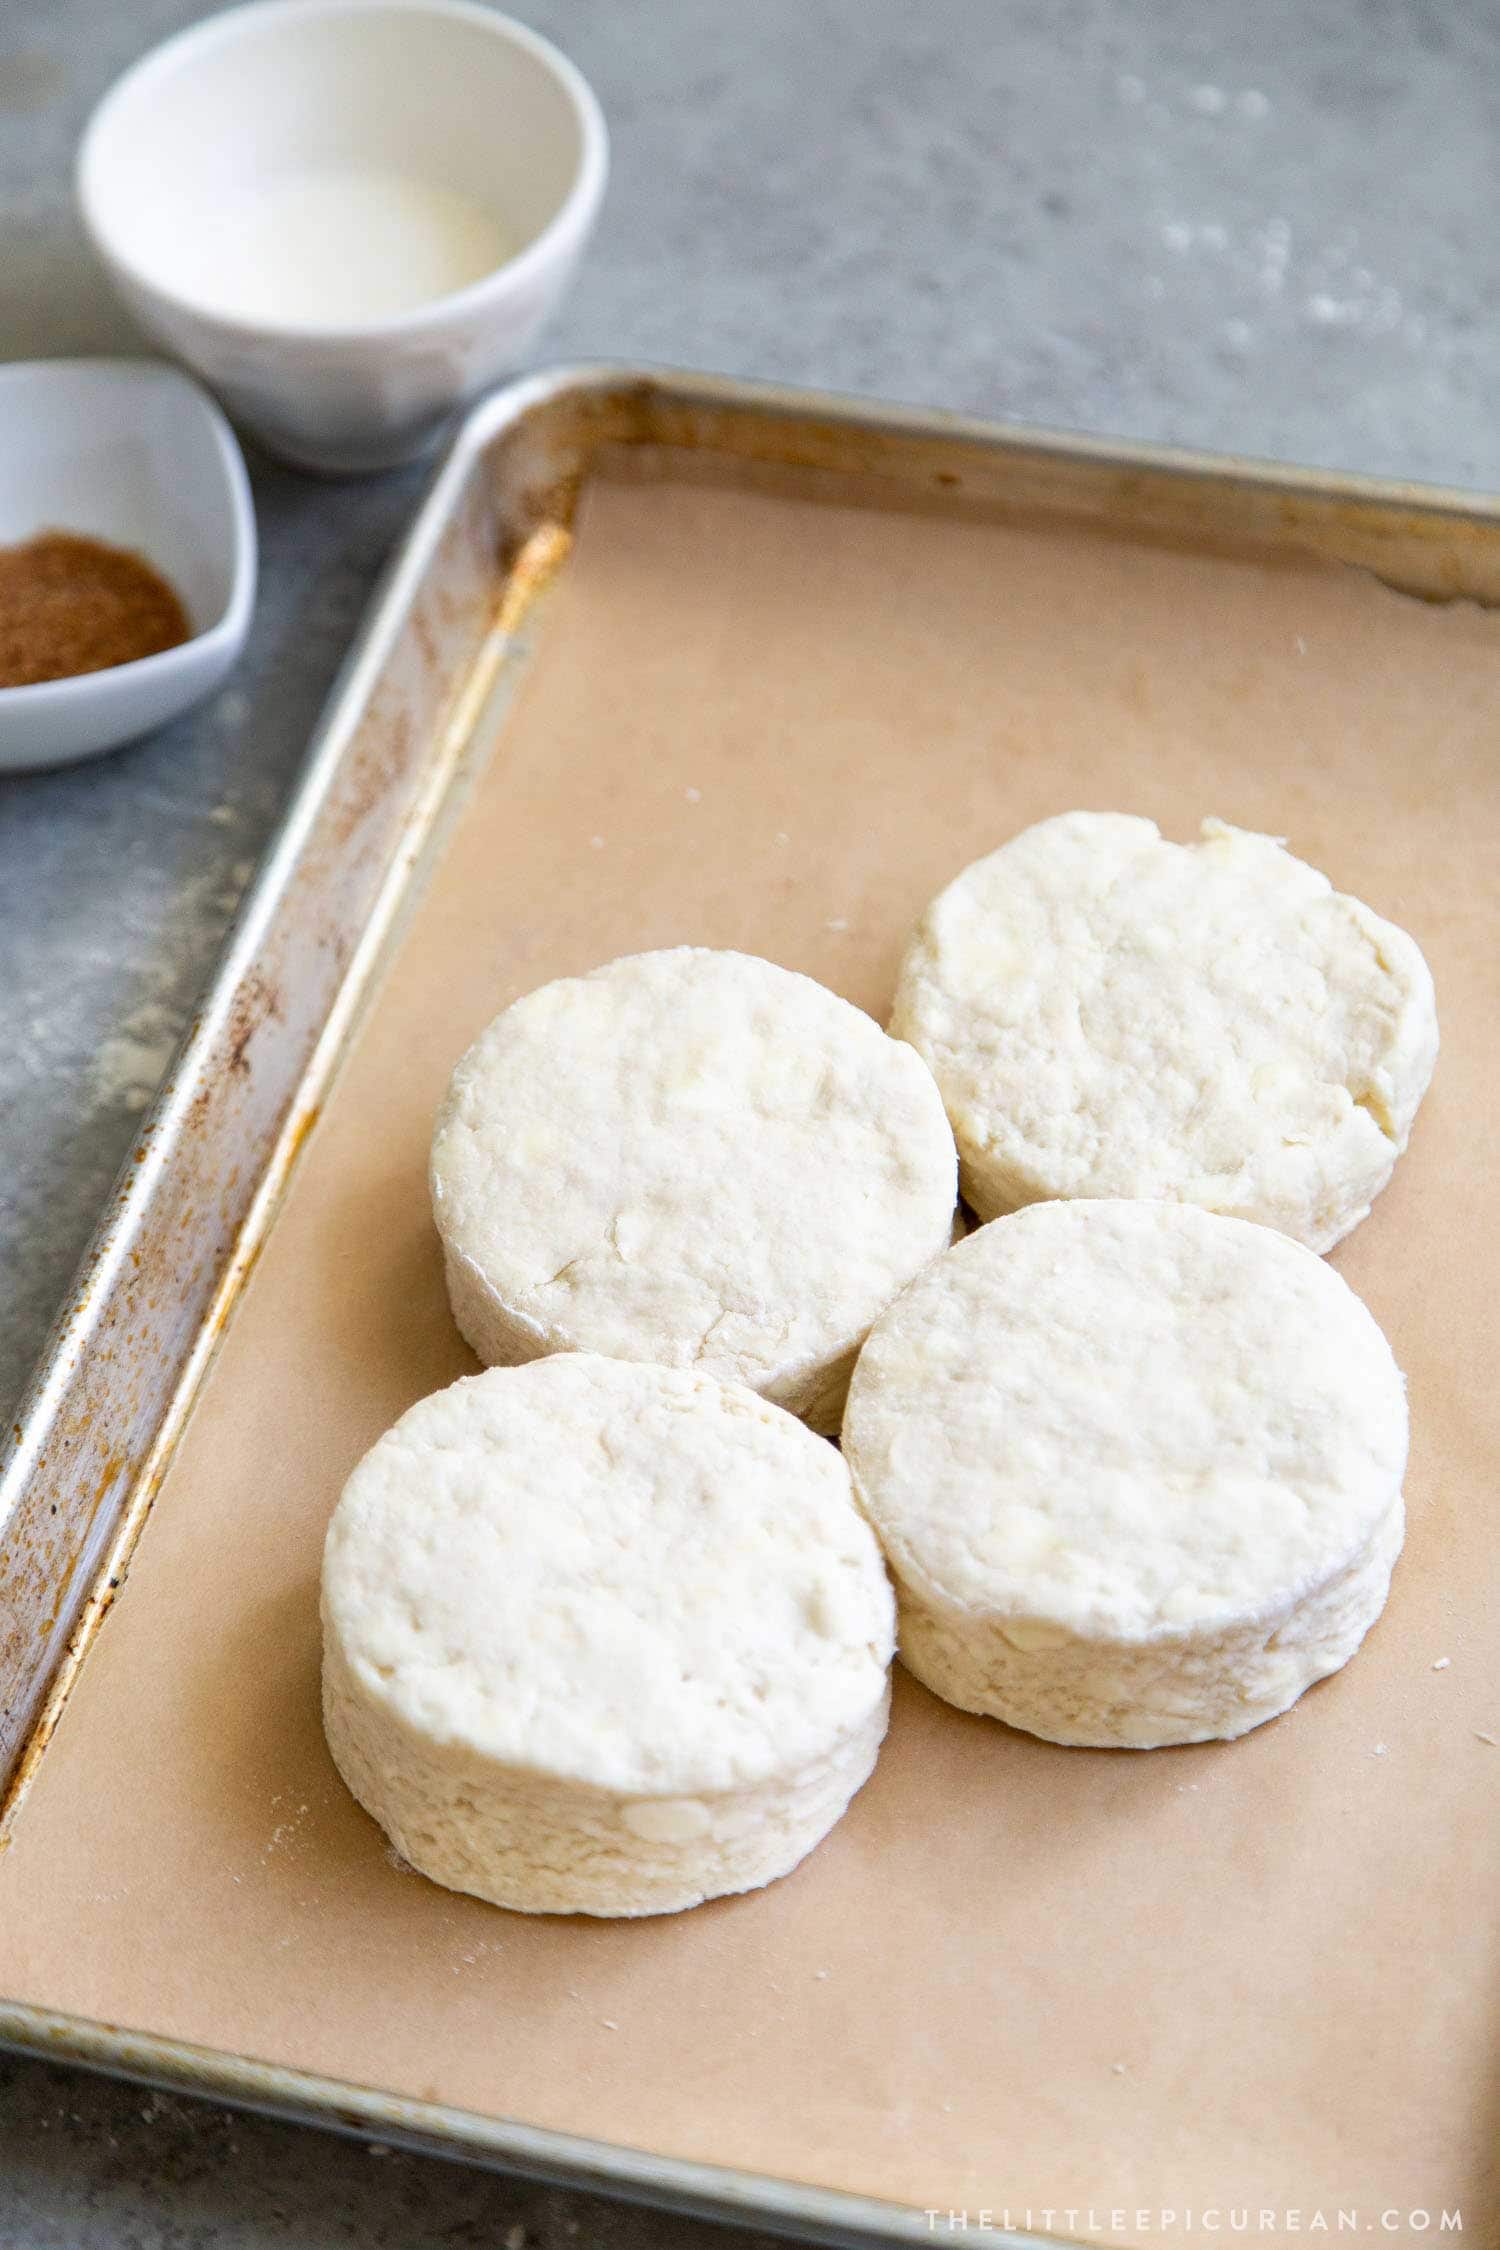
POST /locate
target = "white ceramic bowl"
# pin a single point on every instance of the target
(134, 453)
(442, 91)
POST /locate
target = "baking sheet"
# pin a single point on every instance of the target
(1016, 1978)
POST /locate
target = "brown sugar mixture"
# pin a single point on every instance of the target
(70, 604)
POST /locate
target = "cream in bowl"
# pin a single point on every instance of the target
(349, 216)
(336, 245)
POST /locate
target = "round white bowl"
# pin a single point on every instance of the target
(131, 452)
(441, 90)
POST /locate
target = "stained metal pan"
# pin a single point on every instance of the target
(446, 642)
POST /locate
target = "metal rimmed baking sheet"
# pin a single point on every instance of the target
(672, 660)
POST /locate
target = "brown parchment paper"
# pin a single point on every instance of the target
(1017, 1977)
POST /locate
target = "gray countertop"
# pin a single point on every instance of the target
(1267, 229)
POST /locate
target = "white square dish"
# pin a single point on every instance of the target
(133, 453)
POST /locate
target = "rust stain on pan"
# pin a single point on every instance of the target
(535, 566)
(379, 756)
(138, 1501)
(258, 1001)
(39, 1573)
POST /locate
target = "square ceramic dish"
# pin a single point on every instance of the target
(133, 453)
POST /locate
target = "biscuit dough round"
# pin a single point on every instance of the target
(1136, 1469)
(1110, 1014)
(695, 1158)
(603, 1638)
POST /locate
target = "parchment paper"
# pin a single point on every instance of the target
(1016, 1977)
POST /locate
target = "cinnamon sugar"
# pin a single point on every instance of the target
(69, 604)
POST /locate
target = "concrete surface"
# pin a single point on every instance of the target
(1266, 229)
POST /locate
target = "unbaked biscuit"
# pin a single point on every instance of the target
(694, 1158)
(1136, 1469)
(602, 1638)
(1110, 1014)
